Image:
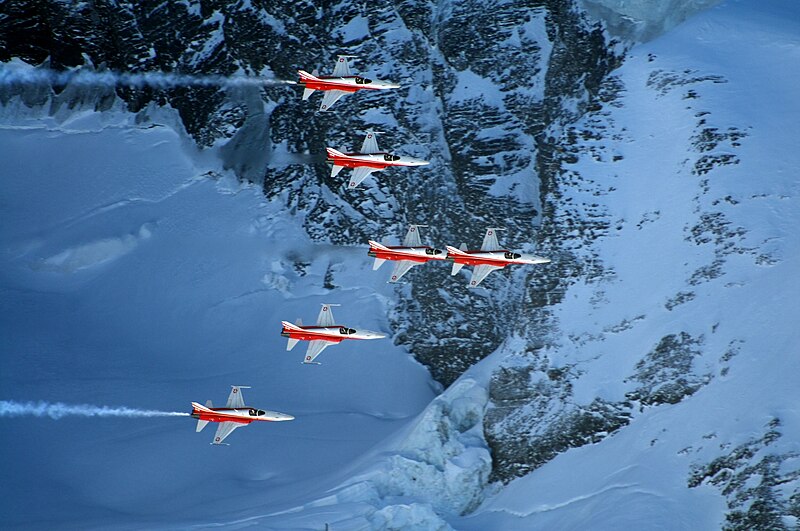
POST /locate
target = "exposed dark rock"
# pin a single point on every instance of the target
(760, 485)
(666, 374)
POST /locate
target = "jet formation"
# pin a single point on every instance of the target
(490, 257)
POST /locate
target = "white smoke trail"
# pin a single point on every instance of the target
(58, 410)
(13, 74)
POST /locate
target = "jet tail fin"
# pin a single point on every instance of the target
(456, 268)
(335, 170)
(378, 262)
(201, 423)
(456, 252)
(334, 153)
(308, 92)
(306, 76)
(378, 246)
(462, 247)
(289, 326)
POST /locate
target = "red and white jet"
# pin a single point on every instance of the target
(234, 415)
(410, 254)
(340, 83)
(490, 257)
(325, 334)
(368, 160)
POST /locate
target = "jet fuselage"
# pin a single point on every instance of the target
(378, 161)
(500, 258)
(345, 84)
(243, 415)
(333, 334)
(412, 254)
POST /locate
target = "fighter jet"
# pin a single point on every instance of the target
(325, 334)
(340, 83)
(490, 257)
(410, 254)
(234, 415)
(368, 160)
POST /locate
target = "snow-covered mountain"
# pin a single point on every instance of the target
(647, 377)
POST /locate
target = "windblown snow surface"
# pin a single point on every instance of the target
(137, 273)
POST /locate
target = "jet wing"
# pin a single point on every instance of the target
(412, 237)
(325, 317)
(342, 68)
(330, 97)
(490, 242)
(400, 269)
(480, 272)
(225, 429)
(370, 144)
(315, 348)
(235, 399)
(359, 174)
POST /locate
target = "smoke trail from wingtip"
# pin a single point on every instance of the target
(11, 74)
(9, 408)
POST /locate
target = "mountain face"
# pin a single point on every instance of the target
(628, 178)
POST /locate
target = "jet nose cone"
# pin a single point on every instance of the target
(390, 85)
(287, 417)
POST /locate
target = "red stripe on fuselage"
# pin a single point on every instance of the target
(472, 260)
(308, 334)
(325, 83)
(349, 162)
(220, 416)
(387, 255)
